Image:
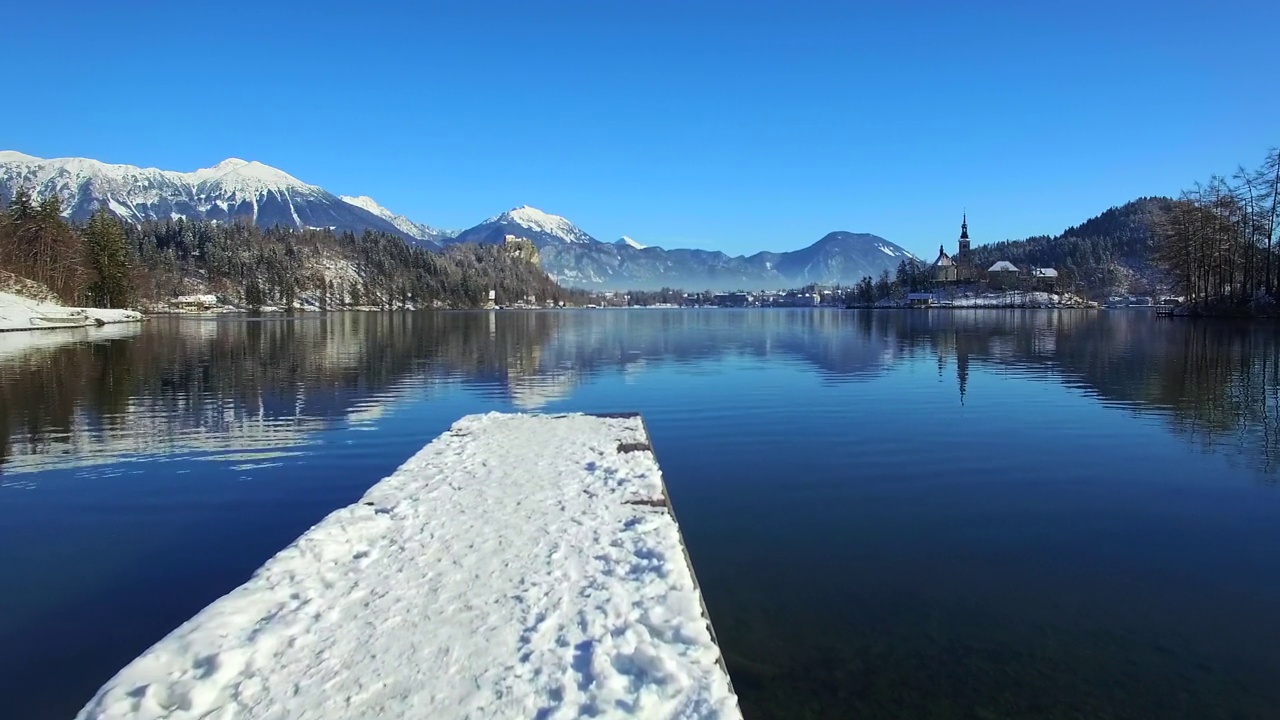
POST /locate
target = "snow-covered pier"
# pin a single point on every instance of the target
(519, 566)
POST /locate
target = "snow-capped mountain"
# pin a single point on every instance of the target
(529, 223)
(231, 189)
(574, 258)
(409, 227)
(268, 196)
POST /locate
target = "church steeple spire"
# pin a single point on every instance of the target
(963, 254)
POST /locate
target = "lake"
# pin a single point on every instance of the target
(895, 514)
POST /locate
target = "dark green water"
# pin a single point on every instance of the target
(969, 514)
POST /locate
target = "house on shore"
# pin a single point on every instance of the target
(1044, 279)
(194, 303)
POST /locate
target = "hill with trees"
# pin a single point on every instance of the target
(1108, 254)
(109, 263)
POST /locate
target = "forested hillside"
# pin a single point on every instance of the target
(112, 264)
(1113, 252)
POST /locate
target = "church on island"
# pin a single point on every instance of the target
(1003, 275)
(948, 269)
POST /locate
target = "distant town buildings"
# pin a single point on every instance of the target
(807, 296)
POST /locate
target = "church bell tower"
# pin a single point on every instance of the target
(963, 254)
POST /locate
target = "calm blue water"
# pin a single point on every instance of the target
(968, 514)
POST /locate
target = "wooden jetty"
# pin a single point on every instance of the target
(517, 566)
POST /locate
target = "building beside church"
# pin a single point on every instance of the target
(1004, 275)
(953, 269)
(944, 268)
(1044, 279)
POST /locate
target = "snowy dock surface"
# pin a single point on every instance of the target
(519, 566)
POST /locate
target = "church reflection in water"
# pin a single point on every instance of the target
(262, 385)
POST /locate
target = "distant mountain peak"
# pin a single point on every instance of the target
(230, 163)
(363, 201)
(624, 240)
(873, 242)
(247, 176)
(527, 214)
(416, 229)
(531, 218)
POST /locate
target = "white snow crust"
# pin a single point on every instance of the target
(504, 571)
(624, 240)
(15, 156)
(1020, 299)
(21, 313)
(895, 251)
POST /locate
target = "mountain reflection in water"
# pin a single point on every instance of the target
(197, 385)
(899, 514)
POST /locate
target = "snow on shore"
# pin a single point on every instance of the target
(22, 313)
(1020, 299)
(518, 566)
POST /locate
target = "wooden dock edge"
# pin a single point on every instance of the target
(684, 547)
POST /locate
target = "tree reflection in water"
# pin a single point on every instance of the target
(182, 381)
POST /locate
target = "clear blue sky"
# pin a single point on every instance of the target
(732, 126)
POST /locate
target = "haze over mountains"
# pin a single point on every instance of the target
(268, 196)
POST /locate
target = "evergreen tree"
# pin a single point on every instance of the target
(21, 207)
(107, 251)
(884, 285)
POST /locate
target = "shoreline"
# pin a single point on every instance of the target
(23, 314)
(971, 307)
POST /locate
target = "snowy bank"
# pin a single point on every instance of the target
(519, 566)
(1022, 299)
(23, 313)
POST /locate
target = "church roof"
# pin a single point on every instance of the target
(944, 259)
(1003, 266)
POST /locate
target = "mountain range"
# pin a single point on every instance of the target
(268, 196)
